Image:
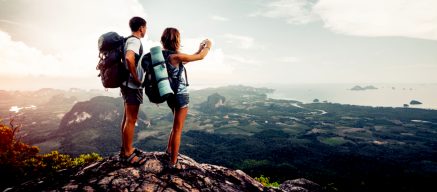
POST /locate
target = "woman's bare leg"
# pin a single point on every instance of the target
(178, 124)
(170, 137)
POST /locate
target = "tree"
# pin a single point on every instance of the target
(20, 162)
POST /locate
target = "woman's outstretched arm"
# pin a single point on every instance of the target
(175, 59)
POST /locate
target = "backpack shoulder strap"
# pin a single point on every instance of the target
(141, 48)
(141, 44)
(131, 36)
(166, 54)
(181, 66)
(146, 63)
(140, 53)
(179, 76)
(137, 58)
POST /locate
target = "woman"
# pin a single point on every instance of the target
(178, 103)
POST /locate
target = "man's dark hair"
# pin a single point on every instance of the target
(135, 23)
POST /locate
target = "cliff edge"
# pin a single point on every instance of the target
(110, 174)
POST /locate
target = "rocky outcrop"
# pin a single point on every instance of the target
(213, 103)
(111, 175)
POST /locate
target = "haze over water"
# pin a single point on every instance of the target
(387, 95)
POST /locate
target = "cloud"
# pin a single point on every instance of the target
(212, 68)
(288, 59)
(12, 23)
(241, 59)
(219, 18)
(60, 42)
(416, 19)
(243, 42)
(213, 64)
(371, 18)
(18, 58)
(148, 43)
(60, 35)
(293, 11)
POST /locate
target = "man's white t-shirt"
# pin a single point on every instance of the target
(134, 45)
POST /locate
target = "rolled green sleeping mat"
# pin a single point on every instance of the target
(158, 63)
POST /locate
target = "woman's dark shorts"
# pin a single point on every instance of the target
(132, 96)
(178, 101)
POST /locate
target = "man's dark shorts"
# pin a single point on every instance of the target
(132, 96)
(178, 101)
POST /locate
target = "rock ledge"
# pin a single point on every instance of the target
(111, 175)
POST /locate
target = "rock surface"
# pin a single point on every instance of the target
(110, 174)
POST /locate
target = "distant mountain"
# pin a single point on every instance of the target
(231, 92)
(47, 92)
(359, 88)
(93, 126)
(61, 99)
(4, 95)
(41, 112)
(213, 103)
(42, 96)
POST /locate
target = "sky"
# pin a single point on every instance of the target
(53, 43)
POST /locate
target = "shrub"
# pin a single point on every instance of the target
(266, 181)
(20, 161)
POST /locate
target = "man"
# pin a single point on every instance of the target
(131, 91)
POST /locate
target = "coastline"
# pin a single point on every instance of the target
(387, 95)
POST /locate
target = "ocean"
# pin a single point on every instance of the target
(386, 95)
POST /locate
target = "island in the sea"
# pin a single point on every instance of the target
(359, 88)
(415, 102)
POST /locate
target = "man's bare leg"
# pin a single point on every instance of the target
(129, 127)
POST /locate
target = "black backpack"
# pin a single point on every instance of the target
(150, 82)
(111, 64)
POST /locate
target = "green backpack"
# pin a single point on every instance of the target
(151, 84)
